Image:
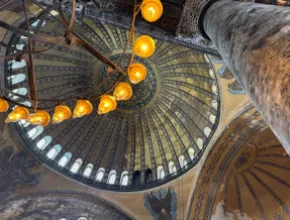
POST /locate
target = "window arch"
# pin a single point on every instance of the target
(18, 65)
(20, 91)
(44, 142)
(88, 170)
(214, 89)
(112, 177)
(17, 78)
(148, 175)
(76, 165)
(100, 174)
(214, 104)
(24, 123)
(160, 172)
(136, 180)
(212, 118)
(54, 151)
(191, 153)
(182, 161)
(34, 132)
(172, 167)
(124, 181)
(65, 159)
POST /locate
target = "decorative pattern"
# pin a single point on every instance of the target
(56, 205)
(162, 204)
(15, 170)
(172, 117)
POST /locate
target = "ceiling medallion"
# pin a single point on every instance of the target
(121, 90)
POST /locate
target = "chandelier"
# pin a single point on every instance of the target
(143, 46)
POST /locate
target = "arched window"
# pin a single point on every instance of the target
(44, 142)
(34, 132)
(100, 174)
(207, 131)
(17, 78)
(212, 118)
(148, 176)
(191, 153)
(214, 104)
(65, 159)
(124, 181)
(24, 123)
(112, 177)
(88, 170)
(214, 89)
(18, 65)
(199, 143)
(54, 151)
(160, 172)
(27, 103)
(182, 161)
(172, 167)
(76, 165)
(21, 91)
(136, 178)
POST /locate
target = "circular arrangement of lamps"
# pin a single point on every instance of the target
(144, 47)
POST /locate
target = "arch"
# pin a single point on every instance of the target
(182, 161)
(44, 142)
(88, 170)
(148, 175)
(34, 132)
(136, 178)
(17, 78)
(100, 174)
(160, 172)
(76, 165)
(65, 159)
(54, 151)
(172, 167)
(124, 181)
(112, 177)
(199, 143)
(18, 65)
(191, 153)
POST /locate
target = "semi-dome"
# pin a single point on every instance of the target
(154, 137)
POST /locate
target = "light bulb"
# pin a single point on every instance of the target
(61, 113)
(137, 72)
(18, 113)
(107, 103)
(3, 105)
(83, 107)
(123, 91)
(41, 118)
(151, 10)
(144, 46)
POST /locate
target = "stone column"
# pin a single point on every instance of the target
(254, 40)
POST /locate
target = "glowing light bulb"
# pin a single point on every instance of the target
(107, 103)
(137, 73)
(151, 10)
(3, 105)
(18, 113)
(83, 107)
(61, 113)
(123, 91)
(41, 118)
(144, 46)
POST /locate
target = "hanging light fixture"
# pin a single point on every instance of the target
(61, 113)
(137, 72)
(41, 118)
(151, 10)
(144, 46)
(123, 91)
(107, 103)
(18, 113)
(3, 105)
(83, 107)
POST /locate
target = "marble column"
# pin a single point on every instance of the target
(254, 40)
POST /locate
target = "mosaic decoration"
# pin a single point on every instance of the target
(173, 113)
(60, 205)
(162, 204)
(15, 170)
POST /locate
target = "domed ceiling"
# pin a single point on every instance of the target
(150, 139)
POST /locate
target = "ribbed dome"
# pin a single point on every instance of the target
(150, 139)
